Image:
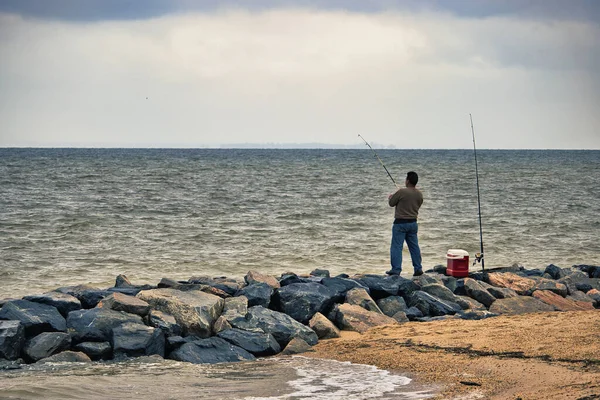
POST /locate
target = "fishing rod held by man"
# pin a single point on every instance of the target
(382, 164)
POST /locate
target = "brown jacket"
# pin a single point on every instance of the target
(407, 202)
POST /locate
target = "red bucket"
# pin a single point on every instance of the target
(458, 263)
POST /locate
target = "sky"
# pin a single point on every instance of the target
(403, 74)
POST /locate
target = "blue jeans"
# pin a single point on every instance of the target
(400, 233)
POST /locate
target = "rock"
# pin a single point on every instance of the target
(438, 318)
(360, 297)
(551, 285)
(122, 281)
(132, 291)
(355, 318)
(324, 328)
(97, 324)
(288, 279)
(440, 291)
(64, 303)
(533, 272)
(401, 317)
(578, 280)
(559, 303)
(467, 303)
(519, 305)
(235, 307)
(440, 269)
(475, 314)
(66, 356)
(259, 344)
(412, 313)
(257, 294)
(501, 293)
(165, 322)
(229, 286)
(128, 304)
(220, 325)
(46, 344)
(194, 311)
(555, 272)
(392, 305)
(342, 285)
(296, 346)
(323, 273)
(302, 300)
(35, 317)
(6, 365)
(95, 350)
(89, 296)
(256, 277)
(580, 296)
(380, 287)
(210, 351)
(478, 292)
(280, 325)
(523, 286)
(591, 270)
(432, 306)
(134, 340)
(595, 294)
(12, 338)
(450, 283)
(425, 279)
(174, 342)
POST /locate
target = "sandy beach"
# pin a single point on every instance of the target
(553, 355)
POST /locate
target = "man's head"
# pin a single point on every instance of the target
(411, 179)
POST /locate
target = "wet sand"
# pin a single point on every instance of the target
(552, 355)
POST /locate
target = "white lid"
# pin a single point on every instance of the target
(458, 253)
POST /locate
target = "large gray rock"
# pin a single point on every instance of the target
(135, 340)
(97, 324)
(210, 351)
(235, 307)
(360, 297)
(35, 317)
(555, 272)
(165, 322)
(12, 338)
(257, 294)
(194, 311)
(64, 303)
(95, 350)
(579, 280)
(551, 285)
(475, 314)
(342, 285)
(380, 287)
(128, 304)
(220, 325)
(519, 305)
(46, 344)
(302, 300)
(324, 328)
(467, 303)
(283, 327)
(440, 291)
(355, 318)
(227, 285)
(259, 344)
(253, 277)
(432, 306)
(89, 296)
(296, 346)
(592, 270)
(478, 292)
(392, 305)
(500, 293)
(66, 356)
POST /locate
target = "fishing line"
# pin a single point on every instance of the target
(478, 256)
(382, 164)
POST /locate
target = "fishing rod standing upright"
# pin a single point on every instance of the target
(478, 257)
(382, 164)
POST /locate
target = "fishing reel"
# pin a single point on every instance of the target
(478, 258)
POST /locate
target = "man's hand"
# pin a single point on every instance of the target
(390, 195)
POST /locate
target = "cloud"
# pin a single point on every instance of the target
(300, 75)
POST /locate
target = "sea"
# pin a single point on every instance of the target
(71, 216)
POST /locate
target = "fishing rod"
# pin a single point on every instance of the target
(478, 256)
(382, 164)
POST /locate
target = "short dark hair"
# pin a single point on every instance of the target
(413, 178)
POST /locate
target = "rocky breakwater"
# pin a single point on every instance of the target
(211, 320)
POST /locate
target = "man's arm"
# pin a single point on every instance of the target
(393, 199)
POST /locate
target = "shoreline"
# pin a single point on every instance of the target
(549, 355)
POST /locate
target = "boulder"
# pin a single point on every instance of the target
(519, 305)
(426, 279)
(122, 281)
(342, 285)
(128, 304)
(501, 293)
(235, 307)
(89, 296)
(296, 346)
(64, 303)
(560, 303)
(523, 286)
(259, 344)
(283, 327)
(227, 285)
(66, 356)
(165, 322)
(591, 270)
(413, 313)
(210, 351)
(324, 328)
(478, 292)
(35, 317)
(323, 273)
(46, 344)
(12, 338)
(97, 324)
(355, 318)
(256, 277)
(95, 350)
(580, 296)
(194, 311)
(289, 278)
(392, 305)
(578, 280)
(432, 306)
(475, 314)
(555, 272)
(440, 291)
(467, 303)
(360, 297)
(380, 287)
(401, 317)
(551, 285)
(257, 294)
(134, 340)
(595, 295)
(220, 325)
(533, 272)
(450, 282)
(302, 300)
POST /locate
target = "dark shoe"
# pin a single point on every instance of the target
(418, 273)
(391, 273)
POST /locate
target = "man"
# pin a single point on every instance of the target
(407, 201)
